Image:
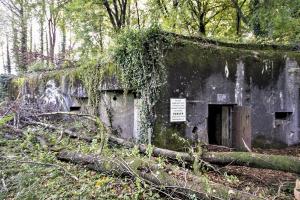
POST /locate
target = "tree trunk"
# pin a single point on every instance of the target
(64, 39)
(52, 38)
(176, 182)
(117, 12)
(52, 26)
(256, 21)
(41, 38)
(42, 22)
(23, 50)
(100, 34)
(3, 57)
(238, 23)
(47, 49)
(202, 28)
(275, 162)
(137, 14)
(8, 63)
(16, 53)
(30, 39)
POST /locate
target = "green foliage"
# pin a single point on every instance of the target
(87, 20)
(280, 21)
(40, 66)
(231, 178)
(26, 179)
(277, 20)
(5, 119)
(267, 21)
(91, 74)
(149, 151)
(139, 55)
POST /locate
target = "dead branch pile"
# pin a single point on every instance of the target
(275, 162)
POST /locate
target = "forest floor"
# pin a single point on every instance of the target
(29, 170)
(259, 181)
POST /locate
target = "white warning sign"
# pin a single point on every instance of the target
(177, 110)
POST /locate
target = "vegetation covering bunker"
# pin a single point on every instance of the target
(235, 95)
(228, 88)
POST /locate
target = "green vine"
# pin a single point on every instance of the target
(140, 56)
(91, 74)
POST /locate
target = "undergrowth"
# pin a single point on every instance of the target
(22, 175)
(29, 171)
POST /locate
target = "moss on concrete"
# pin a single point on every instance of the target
(261, 141)
(36, 81)
(170, 137)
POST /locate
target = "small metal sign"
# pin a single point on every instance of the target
(177, 110)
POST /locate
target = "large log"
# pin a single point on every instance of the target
(265, 161)
(181, 183)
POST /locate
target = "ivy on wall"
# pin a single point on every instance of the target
(140, 56)
(91, 74)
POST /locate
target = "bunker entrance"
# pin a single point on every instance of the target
(229, 125)
(219, 124)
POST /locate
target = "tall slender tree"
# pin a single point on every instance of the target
(8, 62)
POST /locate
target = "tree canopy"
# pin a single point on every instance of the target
(66, 30)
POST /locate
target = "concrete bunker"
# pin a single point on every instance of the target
(234, 96)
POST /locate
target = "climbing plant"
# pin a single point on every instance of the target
(91, 74)
(140, 56)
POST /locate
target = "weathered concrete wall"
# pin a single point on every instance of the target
(58, 90)
(117, 111)
(267, 81)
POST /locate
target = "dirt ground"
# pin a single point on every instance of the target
(258, 181)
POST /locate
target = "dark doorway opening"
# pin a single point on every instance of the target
(214, 124)
(219, 124)
(75, 108)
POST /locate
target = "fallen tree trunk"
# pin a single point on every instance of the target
(266, 161)
(180, 183)
(275, 162)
